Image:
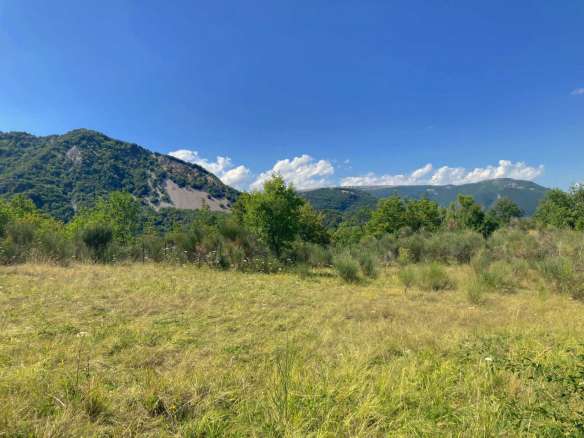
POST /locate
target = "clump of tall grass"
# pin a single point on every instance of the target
(427, 277)
(368, 265)
(499, 276)
(476, 291)
(433, 277)
(347, 267)
(407, 277)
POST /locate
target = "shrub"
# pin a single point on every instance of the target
(475, 291)
(54, 246)
(499, 277)
(368, 265)
(433, 277)
(411, 248)
(21, 233)
(97, 238)
(404, 256)
(508, 243)
(347, 268)
(407, 277)
(309, 253)
(562, 275)
(453, 247)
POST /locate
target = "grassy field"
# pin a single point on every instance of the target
(155, 350)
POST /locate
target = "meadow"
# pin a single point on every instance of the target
(178, 350)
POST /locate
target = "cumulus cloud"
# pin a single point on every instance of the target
(304, 172)
(230, 174)
(578, 92)
(449, 175)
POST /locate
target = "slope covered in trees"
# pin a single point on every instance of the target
(525, 194)
(62, 173)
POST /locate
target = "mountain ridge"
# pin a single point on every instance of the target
(526, 194)
(62, 173)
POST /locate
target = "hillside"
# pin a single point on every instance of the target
(526, 194)
(61, 173)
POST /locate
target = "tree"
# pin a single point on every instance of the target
(388, 218)
(423, 214)
(273, 215)
(577, 194)
(504, 210)
(119, 211)
(311, 226)
(465, 213)
(556, 209)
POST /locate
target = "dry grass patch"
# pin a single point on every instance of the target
(155, 350)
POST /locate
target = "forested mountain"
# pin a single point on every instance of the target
(525, 194)
(61, 173)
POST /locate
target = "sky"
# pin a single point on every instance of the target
(324, 92)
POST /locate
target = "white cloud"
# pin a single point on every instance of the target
(423, 171)
(449, 175)
(236, 176)
(304, 172)
(578, 92)
(222, 167)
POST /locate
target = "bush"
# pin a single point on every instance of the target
(476, 291)
(499, 277)
(404, 256)
(97, 238)
(309, 253)
(407, 277)
(561, 274)
(481, 261)
(347, 268)
(508, 243)
(368, 265)
(54, 246)
(453, 247)
(433, 277)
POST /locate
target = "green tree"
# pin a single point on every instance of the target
(119, 211)
(388, 218)
(347, 234)
(577, 194)
(504, 210)
(423, 214)
(556, 209)
(273, 214)
(311, 226)
(465, 213)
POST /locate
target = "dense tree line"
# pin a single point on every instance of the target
(265, 231)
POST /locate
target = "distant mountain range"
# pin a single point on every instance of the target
(526, 194)
(61, 173)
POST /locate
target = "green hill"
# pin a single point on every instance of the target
(61, 173)
(526, 194)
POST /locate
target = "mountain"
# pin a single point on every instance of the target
(62, 173)
(526, 194)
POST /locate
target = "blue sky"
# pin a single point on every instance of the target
(326, 92)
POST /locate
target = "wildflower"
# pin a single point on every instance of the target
(488, 359)
(82, 334)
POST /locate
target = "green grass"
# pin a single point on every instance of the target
(155, 350)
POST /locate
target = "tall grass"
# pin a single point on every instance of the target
(173, 351)
(347, 267)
